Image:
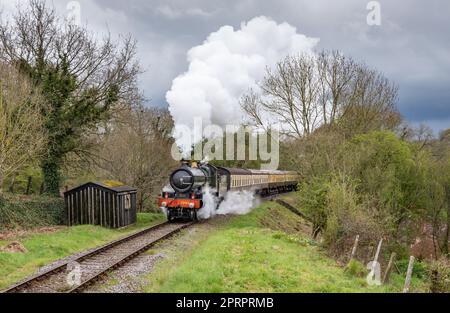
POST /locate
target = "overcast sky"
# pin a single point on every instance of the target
(411, 46)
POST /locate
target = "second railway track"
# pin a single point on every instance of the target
(94, 264)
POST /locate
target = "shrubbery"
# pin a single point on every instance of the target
(356, 268)
(18, 212)
(374, 185)
(439, 272)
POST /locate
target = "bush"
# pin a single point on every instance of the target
(374, 184)
(356, 268)
(388, 172)
(313, 200)
(439, 272)
(348, 215)
(420, 269)
(22, 212)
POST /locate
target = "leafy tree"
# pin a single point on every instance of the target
(385, 167)
(84, 80)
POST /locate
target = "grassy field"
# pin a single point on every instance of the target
(48, 247)
(253, 254)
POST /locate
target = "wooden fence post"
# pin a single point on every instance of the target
(355, 246)
(389, 268)
(377, 254)
(408, 274)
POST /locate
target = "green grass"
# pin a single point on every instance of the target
(45, 248)
(252, 254)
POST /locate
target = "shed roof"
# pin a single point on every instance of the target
(113, 186)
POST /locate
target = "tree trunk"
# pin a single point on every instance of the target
(1, 185)
(447, 232)
(29, 185)
(13, 182)
(50, 170)
(140, 202)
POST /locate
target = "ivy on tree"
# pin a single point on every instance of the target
(83, 80)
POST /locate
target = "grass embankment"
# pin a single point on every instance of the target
(265, 251)
(48, 247)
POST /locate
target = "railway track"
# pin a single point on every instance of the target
(92, 265)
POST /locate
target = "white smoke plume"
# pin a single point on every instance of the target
(235, 202)
(238, 203)
(225, 66)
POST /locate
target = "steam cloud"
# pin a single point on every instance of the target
(235, 202)
(221, 70)
(225, 66)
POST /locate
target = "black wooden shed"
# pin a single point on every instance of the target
(101, 203)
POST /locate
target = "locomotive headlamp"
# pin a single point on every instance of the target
(164, 204)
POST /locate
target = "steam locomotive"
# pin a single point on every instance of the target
(184, 197)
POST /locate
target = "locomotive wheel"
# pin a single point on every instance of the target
(193, 215)
(170, 218)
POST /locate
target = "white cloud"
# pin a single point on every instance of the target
(226, 65)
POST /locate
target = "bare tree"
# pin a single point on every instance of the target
(306, 92)
(335, 75)
(21, 131)
(38, 38)
(84, 80)
(137, 150)
(289, 93)
(371, 102)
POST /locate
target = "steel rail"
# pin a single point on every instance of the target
(39, 277)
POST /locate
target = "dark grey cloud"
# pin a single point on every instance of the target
(411, 47)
